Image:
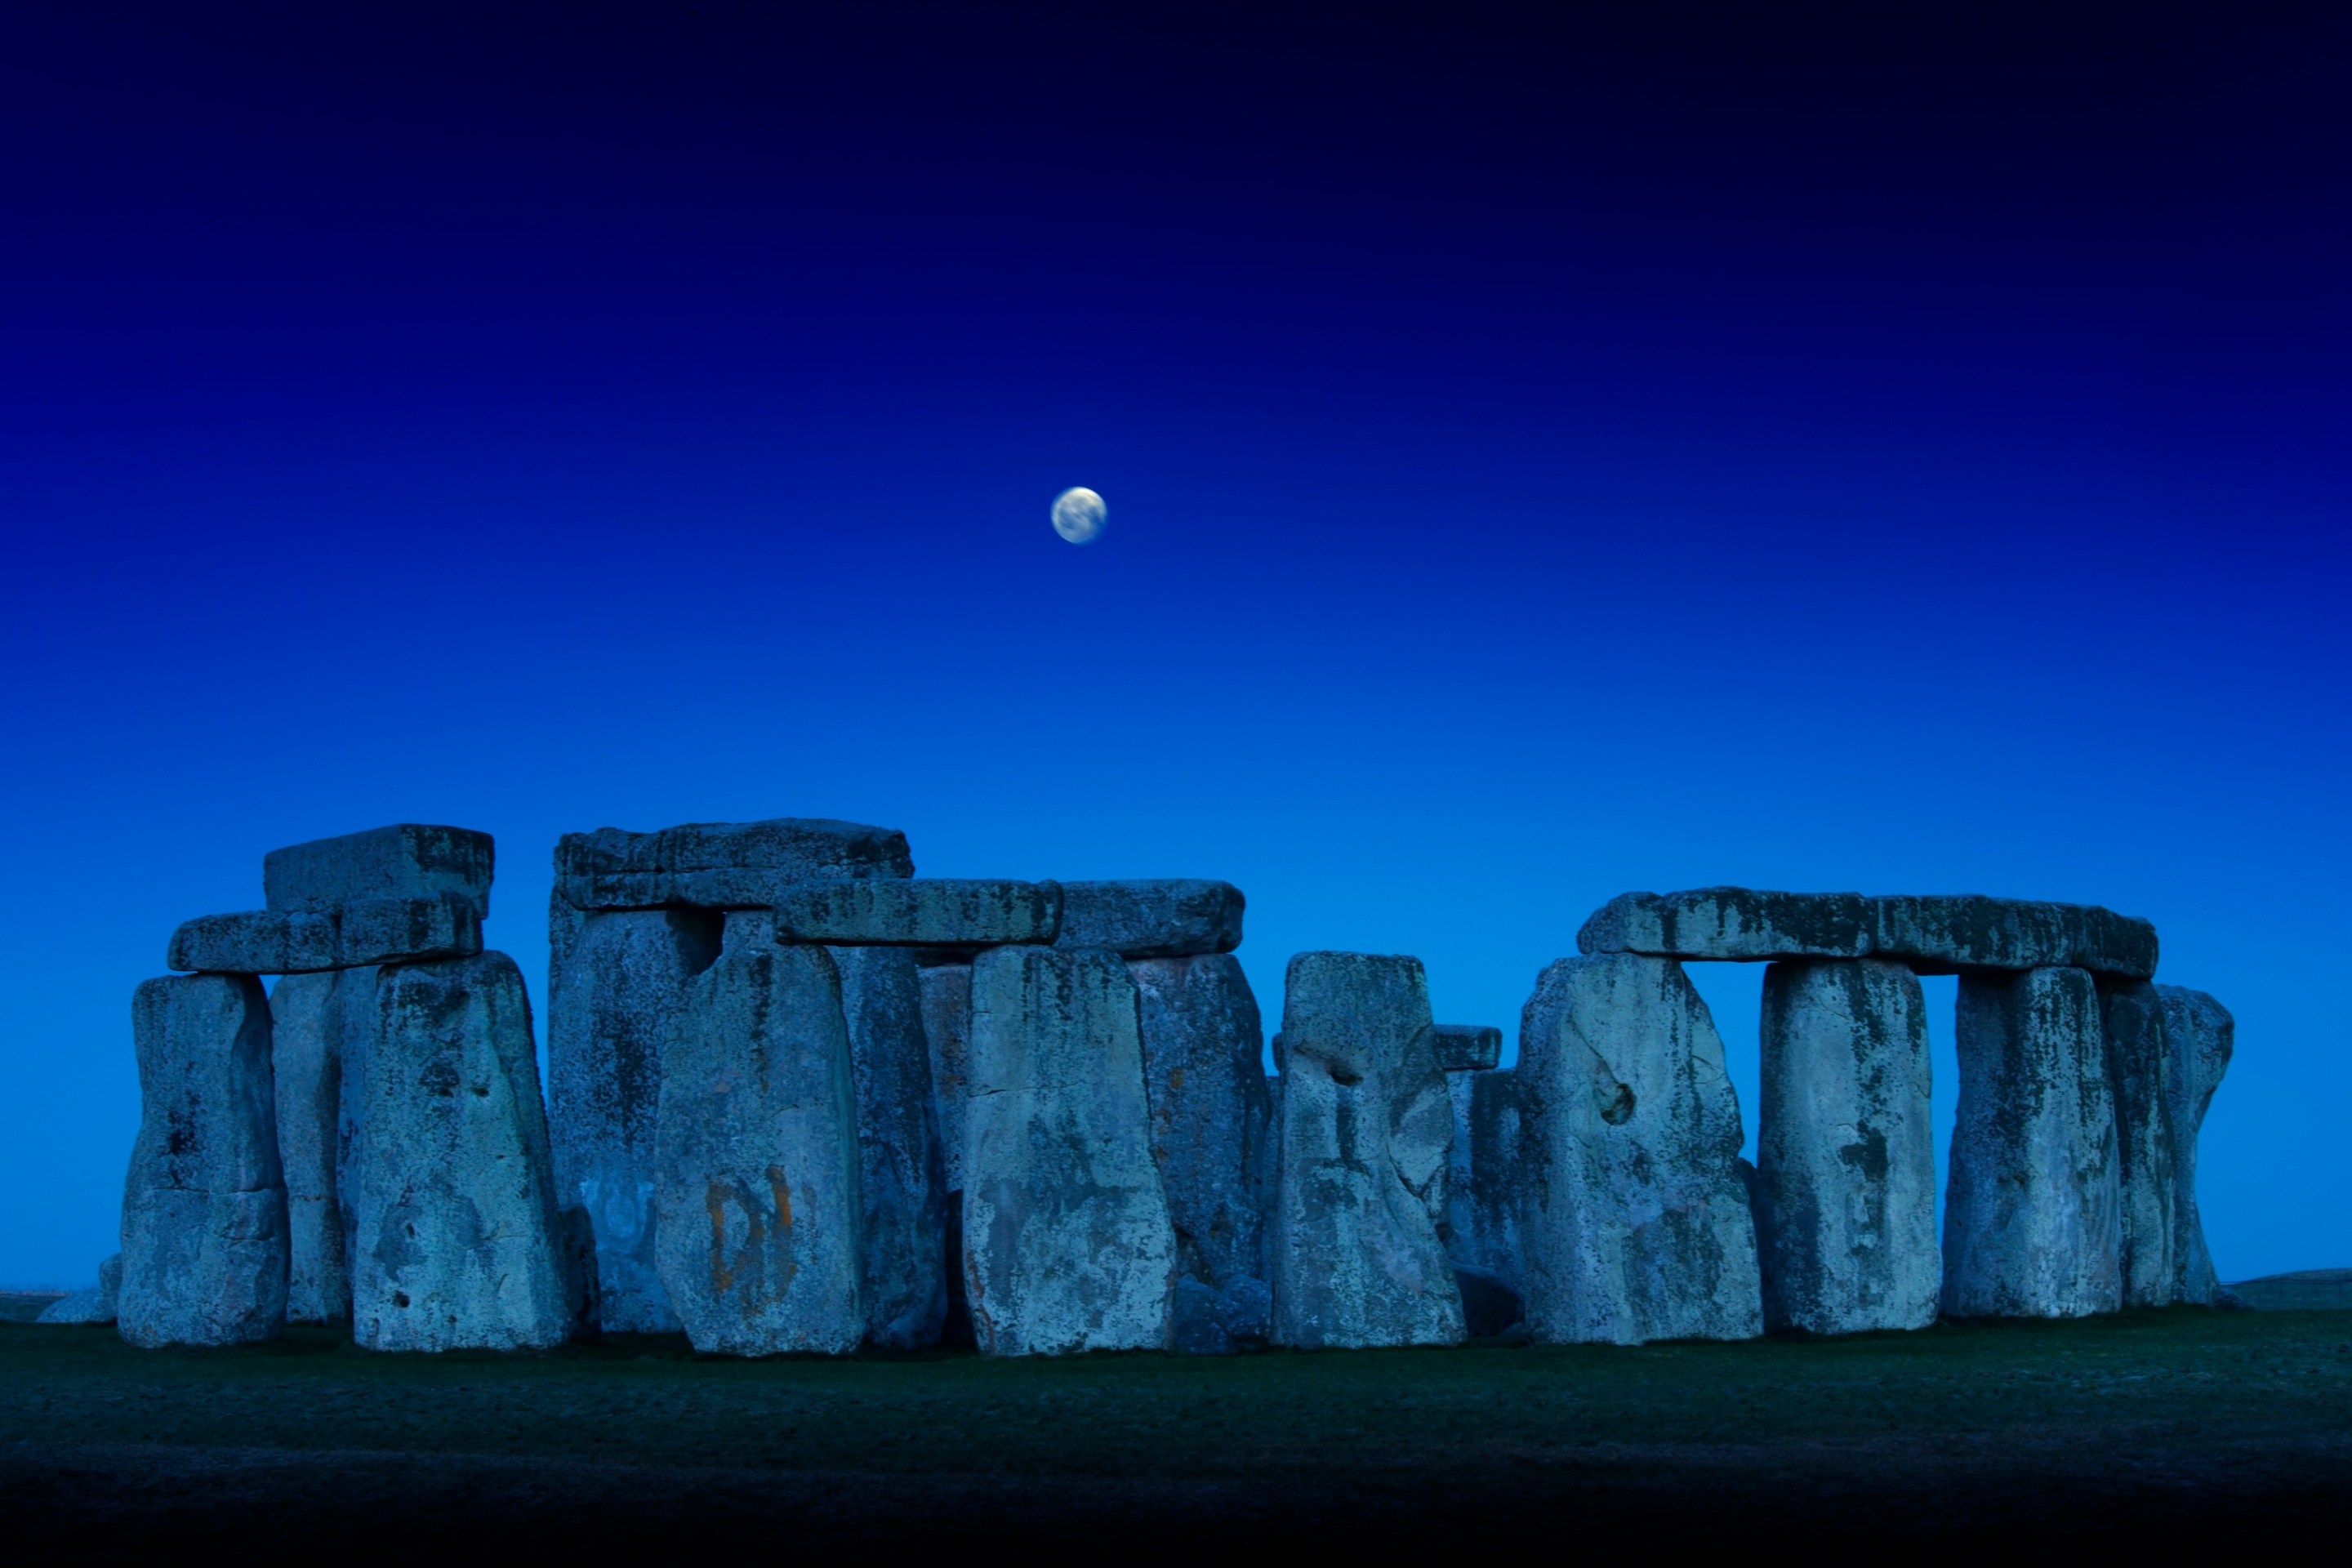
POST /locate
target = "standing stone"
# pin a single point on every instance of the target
(1212, 1136)
(2031, 1216)
(204, 1210)
(1482, 1206)
(618, 985)
(1845, 1182)
(2139, 1077)
(947, 1030)
(455, 1243)
(1067, 1243)
(2202, 1036)
(1367, 1130)
(96, 1305)
(1634, 1222)
(902, 1194)
(755, 1154)
(310, 1016)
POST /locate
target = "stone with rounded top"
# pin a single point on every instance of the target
(2033, 1202)
(406, 861)
(455, 1242)
(1740, 924)
(720, 865)
(1367, 1132)
(1068, 1244)
(203, 1208)
(1634, 1222)
(756, 1164)
(1166, 917)
(1845, 1169)
(927, 912)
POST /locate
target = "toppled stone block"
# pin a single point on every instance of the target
(1067, 1246)
(1212, 1138)
(203, 1208)
(96, 1305)
(407, 860)
(1367, 1132)
(756, 1155)
(1734, 923)
(2201, 1037)
(314, 1021)
(2031, 1213)
(932, 912)
(1951, 933)
(618, 983)
(1633, 1221)
(1169, 917)
(1468, 1048)
(1845, 1182)
(351, 936)
(901, 1184)
(1482, 1189)
(454, 1242)
(719, 865)
(2139, 1077)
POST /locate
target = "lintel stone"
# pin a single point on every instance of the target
(1162, 917)
(1740, 924)
(720, 865)
(932, 912)
(350, 936)
(406, 860)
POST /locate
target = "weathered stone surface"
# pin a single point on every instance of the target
(1468, 1048)
(312, 1017)
(351, 936)
(1635, 1223)
(1482, 1190)
(947, 1030)
(1945, 934)
(2202, 1036)
(756, 1160)
(204, 1209)
(901, 1181)
(719, 865)
(1067, 1246)
(95, 1305)
(1736, 923)
(618, 985)
(1367, 1132)
(454, 1242)
(406, 860)
(1845, 1183)
(932, 912)
(1212, 1138)
(2139, 1077)
(1167, 916)
(2032, 1215)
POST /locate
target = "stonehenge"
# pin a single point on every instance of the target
(800, 1100)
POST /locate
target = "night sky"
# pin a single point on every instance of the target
(1816, 454)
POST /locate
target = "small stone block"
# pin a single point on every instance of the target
(1166, 917)
(1469, 1047)
(407, 860)
(932, 912)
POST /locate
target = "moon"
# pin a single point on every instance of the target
(1080, 515)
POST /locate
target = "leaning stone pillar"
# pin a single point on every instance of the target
(1367, 1130)
(1845, 1182)
(454, 1242)
(1633, 1219)
(756, 1161)
(204, 1210)
(1204, 1077)
(2139, 1077)
(2201, 1037)
(1067, 1243)
(902, 1188)
(2030, 1216)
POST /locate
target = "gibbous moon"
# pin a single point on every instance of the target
(1080, 515)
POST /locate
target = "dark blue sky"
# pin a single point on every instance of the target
(1809, 453)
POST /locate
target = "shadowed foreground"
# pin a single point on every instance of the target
(2176, 1426)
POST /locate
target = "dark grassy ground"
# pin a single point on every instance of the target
(2183, 1426)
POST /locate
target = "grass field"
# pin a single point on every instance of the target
(2179, 1424)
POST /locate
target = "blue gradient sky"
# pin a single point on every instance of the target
(1539, 467)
